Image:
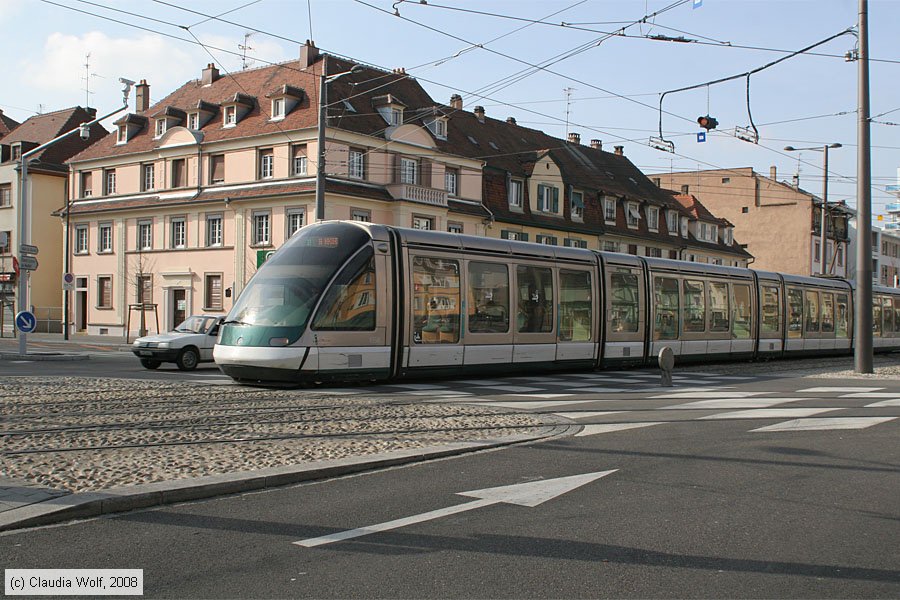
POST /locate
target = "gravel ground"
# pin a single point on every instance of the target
(85, 434)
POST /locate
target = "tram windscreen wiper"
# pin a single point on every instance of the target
(234, 322)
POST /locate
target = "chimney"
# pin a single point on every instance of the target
(142, 96)
(210, 74)
(308, 54)
(596, 144)
(511, 120)
(479, 113)
(620, 150)
(796, 180)
(574, 138)
(456, 102)
(773, 174)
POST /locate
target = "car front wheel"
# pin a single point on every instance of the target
(149, 363)
(187, 359)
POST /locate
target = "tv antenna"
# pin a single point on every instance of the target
(87, 80)
(243, 48)
(568, 92)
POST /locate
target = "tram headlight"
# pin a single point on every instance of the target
(279, 341)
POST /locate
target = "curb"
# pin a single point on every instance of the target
(44, 356)
(126, 498)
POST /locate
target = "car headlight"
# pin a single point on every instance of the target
(163, 345)
(136, 343)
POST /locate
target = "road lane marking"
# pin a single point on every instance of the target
(710, 394)
(825, 423)
(598, 390)
(871, 395)
(531, 494)
(511, 388)
(533, 405)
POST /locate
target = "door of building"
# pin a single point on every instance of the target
(81, 304)
(179, 306)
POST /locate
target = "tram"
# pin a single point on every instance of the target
(347, 301)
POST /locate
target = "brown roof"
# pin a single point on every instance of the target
(6, 124)
(40, 129)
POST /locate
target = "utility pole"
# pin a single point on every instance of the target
(863, 305)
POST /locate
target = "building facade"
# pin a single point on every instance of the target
(778, 223)
(173, 212)
(46, 192)
(885, 255)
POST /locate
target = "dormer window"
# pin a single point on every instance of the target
(16, 150)
(193, 121)
(652, 218)
(672, 222)
(548, 198)
(160, 127)
(632, 216)
(729, 236)
(122, 134)
(609, 210)
(390, 108)
(230, 116)
(577, 206)
(438, 127)
(277, 108)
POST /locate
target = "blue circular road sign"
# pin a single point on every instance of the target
(25, 322)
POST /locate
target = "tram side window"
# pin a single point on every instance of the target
(349, 304)
(827, 313)
(694, 306)
(888, 315)
(575, 306)
(771, 310)
(667, 309)
(718, 306)
(795, 313)
(876, 317)
(842, 317)
(741, 320)
(488, 304)
(435, 300)
(812, 312)
(535, 310)
(896, 314)
(624, 299)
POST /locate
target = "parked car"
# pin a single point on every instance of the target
(189, 344)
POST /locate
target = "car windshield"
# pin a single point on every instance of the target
(287, 287)
(196, 324)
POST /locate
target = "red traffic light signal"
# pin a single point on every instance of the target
(707, 122)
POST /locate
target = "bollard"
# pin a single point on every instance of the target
(666, 362)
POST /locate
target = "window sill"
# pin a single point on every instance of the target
(104, 307)
(213, 309)
(262, 246)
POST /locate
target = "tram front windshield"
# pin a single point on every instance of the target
(285, 290)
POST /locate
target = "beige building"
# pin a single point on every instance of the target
(46, 192)
(778, 223)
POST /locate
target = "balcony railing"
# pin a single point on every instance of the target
(893, 207)
(418, 193)
(892, 226)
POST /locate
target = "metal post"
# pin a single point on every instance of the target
(863, 305)
(66, 270)
(320, 163)
(824, 209)
(24, 238)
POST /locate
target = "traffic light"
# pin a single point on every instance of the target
(707, 122)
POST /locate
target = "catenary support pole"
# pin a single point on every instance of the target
(863, 305)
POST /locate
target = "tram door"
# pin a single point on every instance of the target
(352, 321)
(435, 311)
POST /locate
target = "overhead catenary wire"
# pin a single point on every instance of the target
(361, 62)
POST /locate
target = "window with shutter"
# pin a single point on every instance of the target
(213, 296)
(104, 292)
(217, 168)
(179, 176)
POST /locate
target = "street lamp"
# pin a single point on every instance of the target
(324, 80)
(824, 150)
(23, 223)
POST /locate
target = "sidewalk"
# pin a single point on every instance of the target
(52, 346)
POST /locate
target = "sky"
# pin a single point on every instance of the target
(595, 67)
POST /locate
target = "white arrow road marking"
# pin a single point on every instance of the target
(611, 427)
(529, 494)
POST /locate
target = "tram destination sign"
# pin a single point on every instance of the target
(28, 263)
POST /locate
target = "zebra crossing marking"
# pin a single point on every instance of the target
(892, 402)
(825, 423)
(613, 427)
(587, 414)
(599, 390)
(733, 403)
(706, 393)
(533, 405)
(871, 395)
(839, 389)
(511, 388)
(770, 413)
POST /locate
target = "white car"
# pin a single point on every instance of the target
(189, 344)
